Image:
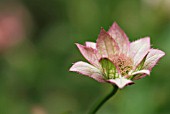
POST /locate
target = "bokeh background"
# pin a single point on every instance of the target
(37, 48)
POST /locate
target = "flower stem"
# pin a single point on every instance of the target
(98, 104)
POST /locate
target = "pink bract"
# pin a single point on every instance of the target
(114, 59)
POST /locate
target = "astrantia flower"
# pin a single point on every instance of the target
(113, 59)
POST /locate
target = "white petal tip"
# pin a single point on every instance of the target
(121, 82)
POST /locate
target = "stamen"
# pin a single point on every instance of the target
(123, 63)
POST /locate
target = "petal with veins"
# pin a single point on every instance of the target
(106, 46)
(109, 69)
(88, 70)
(120, 37)
(139, 49)
(152, 58)
(120, 82)
(90, 54)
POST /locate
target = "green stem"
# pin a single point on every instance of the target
(98, 104)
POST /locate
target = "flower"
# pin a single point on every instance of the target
(15, 24)
(116, 60)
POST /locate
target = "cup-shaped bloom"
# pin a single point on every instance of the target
(114, 59)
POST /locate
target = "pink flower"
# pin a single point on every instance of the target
(113, 59)
(15, 24)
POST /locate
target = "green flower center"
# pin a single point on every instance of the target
(120, 65)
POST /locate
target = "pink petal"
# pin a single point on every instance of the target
(139, 77)
(140, 74)
(139, 49)
(152, 58)
(106, 46)
(121, 82)
(120, 37)
(147, 72)
(88, 70)
(90, 54)
(91, 44)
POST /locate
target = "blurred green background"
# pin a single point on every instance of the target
(37, 48)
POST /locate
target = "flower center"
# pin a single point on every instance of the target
(120, 65)
(123, 64)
